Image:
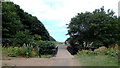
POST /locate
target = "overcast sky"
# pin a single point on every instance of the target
(54, 14)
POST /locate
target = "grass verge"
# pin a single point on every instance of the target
(99, 60)
(46, 56)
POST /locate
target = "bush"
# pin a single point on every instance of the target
(111, 51)
(12, 54)
(20, 51)
(22, 37)
(28, 50)
(74, 49)
(69, 48)
(13, 51)
(88, 52)
(39, 48)
(44, 47)
(34, 54)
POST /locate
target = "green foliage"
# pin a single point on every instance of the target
(52, 39)
(19, 51)
(112, 52)
(88, 52)
(28, 50)
(10, 22)
(44, 47)
(22, 37)
(34, 54)
(97, 44)
(12, 54)
(108, 57)
(37, 37)
(13, 51)
(37, 49)
(19, 27)
(99, 27)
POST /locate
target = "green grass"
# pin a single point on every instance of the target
(100, 60)
(46, 56)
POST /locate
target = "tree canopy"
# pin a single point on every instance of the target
(99, 27)
(20, 27)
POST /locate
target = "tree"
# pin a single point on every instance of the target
(18, 26)
(99, 27)
(23, 37)
(10, 22)
(52, 39)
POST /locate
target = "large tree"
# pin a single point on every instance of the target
(10, 21)
(99, 27)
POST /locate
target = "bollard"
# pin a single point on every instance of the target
(56, 49)
(53, 52)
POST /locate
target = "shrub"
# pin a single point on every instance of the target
(28, 50)
(88, 52)
(71, 50)
(12, 54)
(34, 54)
(97, 51)
(22, 37)
(39, 48)
(20, 51)
(111, 51)
(44, 47)
(74, 48)
(13, 51)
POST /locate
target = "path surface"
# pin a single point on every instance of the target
(63, 58)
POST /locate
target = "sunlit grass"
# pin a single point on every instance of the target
(100, 60)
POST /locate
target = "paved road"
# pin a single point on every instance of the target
(63, 58)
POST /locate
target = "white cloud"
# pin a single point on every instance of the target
(63, 10)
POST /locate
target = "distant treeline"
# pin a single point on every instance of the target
(19, 27)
